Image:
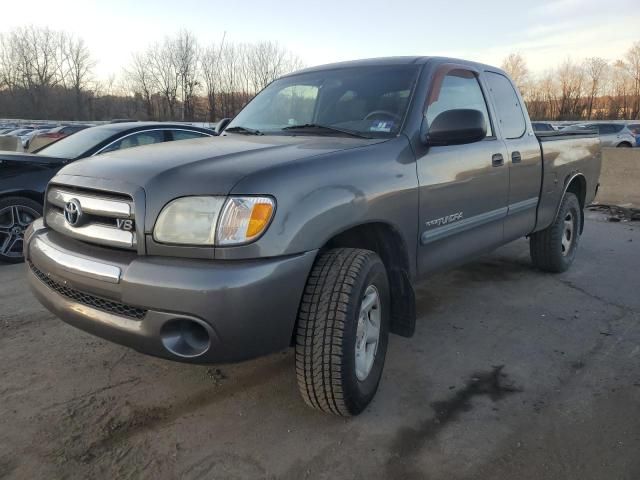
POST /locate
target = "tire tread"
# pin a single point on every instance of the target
(543, 244)
(321, 325)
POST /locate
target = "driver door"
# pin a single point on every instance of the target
(463, 188)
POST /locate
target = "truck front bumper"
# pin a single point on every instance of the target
(200, 311)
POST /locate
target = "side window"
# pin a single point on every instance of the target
(186, 135)
(137, 140)
(609, 129)
(509, 110)
(459, 89)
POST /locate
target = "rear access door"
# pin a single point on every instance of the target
(524, 159)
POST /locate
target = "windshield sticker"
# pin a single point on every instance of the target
(381, 126)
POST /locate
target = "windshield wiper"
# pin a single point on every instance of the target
(326, 128)
(245, 130)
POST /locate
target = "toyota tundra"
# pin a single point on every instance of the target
(309, 221)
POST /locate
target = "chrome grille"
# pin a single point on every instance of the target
(100, 215)
(87, 299)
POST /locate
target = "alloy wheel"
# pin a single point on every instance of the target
(568, 233)
(368, 332)
(14, 220)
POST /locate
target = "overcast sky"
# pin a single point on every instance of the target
(545, 32)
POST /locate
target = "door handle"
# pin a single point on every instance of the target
(497, 160)
(516, 157)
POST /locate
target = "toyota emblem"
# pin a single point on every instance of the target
(73, 212)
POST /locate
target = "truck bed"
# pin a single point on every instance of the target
(565, 153)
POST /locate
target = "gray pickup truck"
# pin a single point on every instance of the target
(310, 219)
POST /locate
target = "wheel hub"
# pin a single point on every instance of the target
(567, 233)
(368, 332)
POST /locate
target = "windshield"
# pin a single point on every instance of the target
(77, 144)
(371, 101)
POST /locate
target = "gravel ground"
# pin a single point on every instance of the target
(512, 374)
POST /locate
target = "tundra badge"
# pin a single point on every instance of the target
(454, 217)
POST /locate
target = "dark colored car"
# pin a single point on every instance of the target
(542, 127)
(311, 219)
(122, 120)
(24, 176)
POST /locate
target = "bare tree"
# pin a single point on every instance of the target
(571, 80)
(164, 75)
(140, 81)
(266, 61)
(621, 88)
(517, 69)
(549, 88)
(632, 65)
(77, 66)
(210, 66)
(230, 60)
(595, 69)
(9, 60)
(186, 57)
(43, 71)
(36, 53)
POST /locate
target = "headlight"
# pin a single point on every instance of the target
(189, 221)
(214, 220)
(244, 219)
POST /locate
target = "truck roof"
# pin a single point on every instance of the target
(400, 60)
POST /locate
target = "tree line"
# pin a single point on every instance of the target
(49, 74)
(592, 89)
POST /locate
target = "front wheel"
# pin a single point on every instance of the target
(554, 248)
(16, 214)
(342, 331)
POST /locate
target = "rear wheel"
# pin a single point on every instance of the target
(342, 331)
(16, 214)
(554, 248)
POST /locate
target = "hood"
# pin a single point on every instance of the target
(30, 158)
(210, 166)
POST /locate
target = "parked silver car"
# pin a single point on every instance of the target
(611, 134)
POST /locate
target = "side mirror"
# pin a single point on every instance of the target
(221, 125)
(456, 127)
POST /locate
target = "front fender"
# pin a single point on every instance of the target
(322, 196)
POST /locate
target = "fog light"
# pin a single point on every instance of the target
(185, 338)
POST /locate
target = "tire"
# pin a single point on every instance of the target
(624, 145)
(328, 329)
(12, 227)
(554, 248)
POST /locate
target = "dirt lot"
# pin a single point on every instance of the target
(513, 374)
